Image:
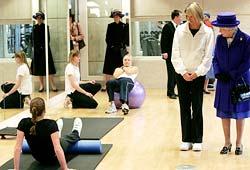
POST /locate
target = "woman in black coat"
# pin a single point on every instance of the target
(38, 64)
(117, 39)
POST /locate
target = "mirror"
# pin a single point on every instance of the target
(99, 12)
(56, 12)
(13, 38)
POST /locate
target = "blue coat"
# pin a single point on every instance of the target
(235, 61)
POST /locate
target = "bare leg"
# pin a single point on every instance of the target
(52, 83)
(41, 83)
(240, 128)
(205, 86)
(226, 128)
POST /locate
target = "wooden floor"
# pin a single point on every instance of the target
(149, 137)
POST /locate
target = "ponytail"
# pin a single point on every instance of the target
(37, 108)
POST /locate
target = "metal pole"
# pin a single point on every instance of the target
(46, 51)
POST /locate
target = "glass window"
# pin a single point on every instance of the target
(15, 37)
(146, 36)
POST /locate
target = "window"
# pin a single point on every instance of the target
(15, 37)
(146, 36)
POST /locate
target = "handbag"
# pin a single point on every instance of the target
(241, 92)
(81, 44)
(6, 87)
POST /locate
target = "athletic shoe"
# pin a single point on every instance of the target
(185, 146)
(59, 123)
(197, 147)
(111, 109)
(77, 125)
(125, 108)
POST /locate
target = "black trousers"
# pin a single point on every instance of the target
(191, 99)
(15, 100)
(122, 86)
(80, 100)
(171, 78)
(69, 139)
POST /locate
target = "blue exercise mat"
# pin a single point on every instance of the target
(80, 147)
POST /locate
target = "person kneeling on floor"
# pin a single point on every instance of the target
(18, 93)
(81, 94)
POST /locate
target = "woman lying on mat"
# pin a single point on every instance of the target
(123, 83)
(43, 136)
(15, 94)
(81, 95)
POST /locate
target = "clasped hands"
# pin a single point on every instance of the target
(189, 76)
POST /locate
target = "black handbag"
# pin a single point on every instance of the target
(81, 44)
(6, 87)
(241, 92)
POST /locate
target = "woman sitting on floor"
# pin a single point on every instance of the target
(16, 93)
(123, 83)
(81, 95)
(43, 136)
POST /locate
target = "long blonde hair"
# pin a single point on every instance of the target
(37, 108)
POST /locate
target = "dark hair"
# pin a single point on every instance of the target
(175, 13)
(37, 108)
(72, 16)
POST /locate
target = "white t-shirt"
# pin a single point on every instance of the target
(75, 72)
(26, 83)
(132, 76)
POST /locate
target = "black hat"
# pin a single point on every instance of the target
(41, 14)
(116, 13)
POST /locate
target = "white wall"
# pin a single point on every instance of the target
(15, 11)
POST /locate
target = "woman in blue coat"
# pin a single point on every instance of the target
(231, 66)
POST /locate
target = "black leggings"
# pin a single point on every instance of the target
(15, 100)
(69, 139)
(80, 100)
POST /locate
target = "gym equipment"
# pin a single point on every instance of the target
(80, 147)
(136, 96)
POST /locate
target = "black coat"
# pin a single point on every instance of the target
(38, 64)
(116, 38)
(167, 37)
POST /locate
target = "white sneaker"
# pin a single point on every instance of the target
(59, 123)
(125, 108)
(197, 147)
(77, 125)
(185, 146)
(67, 102)
(111, 109)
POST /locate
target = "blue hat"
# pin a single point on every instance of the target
(226, 19)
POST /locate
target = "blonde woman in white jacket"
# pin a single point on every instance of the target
(191, 58)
